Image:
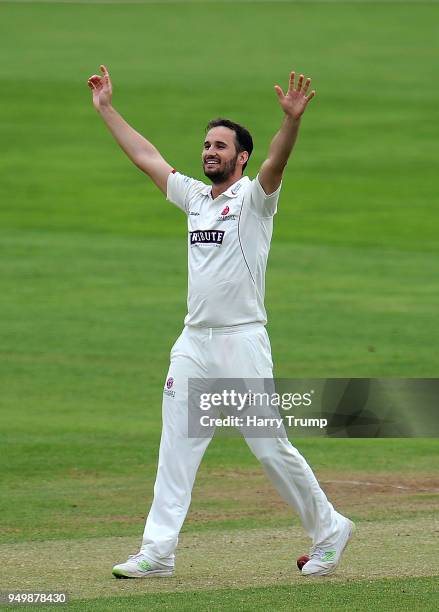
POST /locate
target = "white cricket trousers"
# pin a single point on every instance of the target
(235, 352)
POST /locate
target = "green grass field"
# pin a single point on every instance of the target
(93, 286)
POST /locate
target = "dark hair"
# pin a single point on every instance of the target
(243, 139)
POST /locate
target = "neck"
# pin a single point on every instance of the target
(219, 188)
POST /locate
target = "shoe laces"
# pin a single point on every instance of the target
(138, 555)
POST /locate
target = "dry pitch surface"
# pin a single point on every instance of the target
(404, 545)
(256, 557)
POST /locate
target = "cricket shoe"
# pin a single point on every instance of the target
(138, 566)
(323, 560)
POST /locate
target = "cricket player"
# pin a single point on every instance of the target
(230, 224)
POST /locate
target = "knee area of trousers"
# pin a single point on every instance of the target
(267, 458)
(278, 450)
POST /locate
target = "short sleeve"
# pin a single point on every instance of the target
(263, 205)
(179, 188)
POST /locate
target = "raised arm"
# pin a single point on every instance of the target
(139, 150)
(293, 104)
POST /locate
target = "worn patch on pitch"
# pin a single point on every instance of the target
(215, 560)
(234, 494)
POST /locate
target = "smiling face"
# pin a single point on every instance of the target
(220, 156)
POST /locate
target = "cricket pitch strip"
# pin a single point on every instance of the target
(217, 560)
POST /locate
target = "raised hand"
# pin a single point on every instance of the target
(294, 102)
(102, 88)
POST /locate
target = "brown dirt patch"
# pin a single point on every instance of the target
(232, 494)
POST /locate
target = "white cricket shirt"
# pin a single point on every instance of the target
(228, 244)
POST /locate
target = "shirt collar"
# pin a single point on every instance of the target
(232, 191)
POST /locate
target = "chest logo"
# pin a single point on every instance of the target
(206, 237)
(225, 215)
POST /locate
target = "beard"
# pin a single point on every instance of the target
(220, 175)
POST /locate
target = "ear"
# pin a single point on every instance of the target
(243, 157)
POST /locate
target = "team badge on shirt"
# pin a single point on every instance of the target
(168, 390)
(225, 215)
